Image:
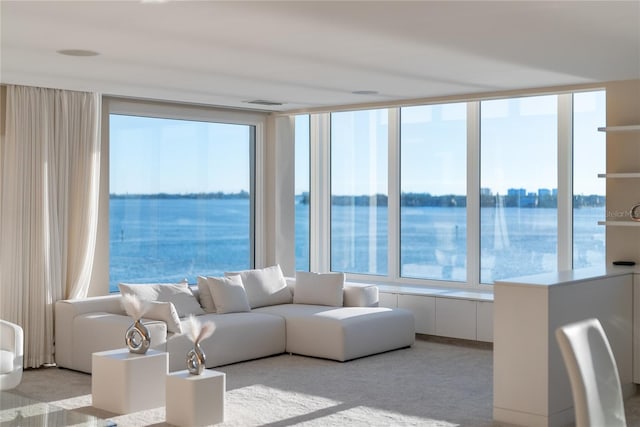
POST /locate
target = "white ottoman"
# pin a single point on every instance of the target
(124, 382)
(195, 400)
(344, 333)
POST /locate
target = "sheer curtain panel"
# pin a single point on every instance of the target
(50, 169)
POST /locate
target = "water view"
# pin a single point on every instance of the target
(168, 239)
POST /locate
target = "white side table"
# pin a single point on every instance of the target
(195, 400)
(124, 382)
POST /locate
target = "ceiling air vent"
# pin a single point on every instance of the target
(263, 102)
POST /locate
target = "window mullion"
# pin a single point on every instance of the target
(565, 181)
(473, 193)
(320, 197)
(393, 191)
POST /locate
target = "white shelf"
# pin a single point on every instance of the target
(628, 128)
(625, 222)
(620, 175)
(620, 223)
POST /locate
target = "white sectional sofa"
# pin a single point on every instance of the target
(340, 328)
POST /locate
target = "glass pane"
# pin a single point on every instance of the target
(179, 199)
(518, 180)
(433, 174)
(589, 159)
(359, 152)
(302, 187)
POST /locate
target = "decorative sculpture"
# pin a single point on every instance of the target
(137, 336)
(635, 212)
(196, 332)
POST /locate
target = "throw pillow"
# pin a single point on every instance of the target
(229, 294)
(179, 294)
(265, 286)
(319, 288)
(206, 300)
(166, 312)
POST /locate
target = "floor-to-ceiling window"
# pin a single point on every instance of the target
(180, 198)
(402, 180)
(588, 190)
(302, 191)
(359, 149)
(519, 182)
(433, 188)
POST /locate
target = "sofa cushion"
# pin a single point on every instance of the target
(344, 333)
(237, 337)
(206, 300)
(319, 288)
(166, 312)
(266, 286)
(229, 294)
(179, 294)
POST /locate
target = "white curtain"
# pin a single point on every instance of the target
(50, 169)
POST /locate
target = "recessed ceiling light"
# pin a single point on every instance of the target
(78, 52)
(365, 92)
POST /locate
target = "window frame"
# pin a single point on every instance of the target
(156, 109)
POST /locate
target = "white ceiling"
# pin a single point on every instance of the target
(309, 54)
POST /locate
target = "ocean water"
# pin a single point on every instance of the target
(167, 240)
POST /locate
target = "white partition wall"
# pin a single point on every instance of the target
(531, 386)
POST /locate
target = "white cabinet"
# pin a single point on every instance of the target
(484, 321)
(448, 313)
(456, 318)
(423, 309)
(530, 382)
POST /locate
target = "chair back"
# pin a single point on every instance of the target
(595, 383)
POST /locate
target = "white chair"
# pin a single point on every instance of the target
(597, 395)
(11, 354)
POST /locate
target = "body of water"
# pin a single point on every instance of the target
(167, 240)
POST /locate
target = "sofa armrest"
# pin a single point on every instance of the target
(65, 313)
(360, 295)
(99, 331)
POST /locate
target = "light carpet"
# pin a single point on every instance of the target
(434, 383)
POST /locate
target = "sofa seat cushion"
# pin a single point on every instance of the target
(6, 361)
(344, 333)
(237, 337)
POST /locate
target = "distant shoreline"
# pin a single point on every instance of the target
(157, 196)
(406, 199)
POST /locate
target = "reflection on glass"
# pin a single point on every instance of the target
(179, 199)
(589, 157)
(518, 179)
(302, 191)
(359, 156)
(433, 214)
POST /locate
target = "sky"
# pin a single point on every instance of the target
(519, 147)
(152, 155)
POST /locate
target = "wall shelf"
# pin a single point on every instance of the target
(620, 223)
(628, 128)
(620, 175)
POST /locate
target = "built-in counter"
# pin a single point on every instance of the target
(530, 383)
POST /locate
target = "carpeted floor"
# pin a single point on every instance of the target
(434, 383)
